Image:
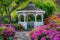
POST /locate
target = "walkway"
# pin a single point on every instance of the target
(24, 35)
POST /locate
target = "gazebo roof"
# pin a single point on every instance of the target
(31, 8)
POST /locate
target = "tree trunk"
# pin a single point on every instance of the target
(9, 18)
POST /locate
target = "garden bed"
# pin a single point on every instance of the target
(8, 30)
(50, 31)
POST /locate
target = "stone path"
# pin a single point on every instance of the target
(24, 35)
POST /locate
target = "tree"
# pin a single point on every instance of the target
(57, 1)
(9, 6)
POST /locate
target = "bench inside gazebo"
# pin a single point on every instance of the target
(31, 10)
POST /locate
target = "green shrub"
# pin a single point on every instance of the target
(19, 27)
(14, 17)
(13, 21)
(49, 8)
(47, 5)
(5, 20)
(58, 29)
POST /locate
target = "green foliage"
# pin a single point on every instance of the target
(6, 5)
(19, 27)
(31, 18)
(22, 18)
(58, 29)
(9, 6)
(2, 12)
(5, 2)
(39, 18)
(47, 5)
(42, 36)
(14, 15)
(6, 20)
(14, 21)
(58, 8)
(1, 38)
(24, 4)
(1, 31)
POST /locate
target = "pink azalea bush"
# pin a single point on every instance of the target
(47, 32)
(8, 31)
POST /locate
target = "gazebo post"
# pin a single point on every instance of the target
(35, 17)
(24, 16)
(42, 17)
(24, 23)
(35, 20)
(18, 17)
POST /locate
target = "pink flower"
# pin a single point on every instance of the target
(43, 38)
(51, 33)
(33, 36)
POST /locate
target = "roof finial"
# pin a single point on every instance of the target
(31, 3)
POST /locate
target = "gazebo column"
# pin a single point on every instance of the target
(35, 23)
(24, 23)
(42, 18)
(24, 17)
(35, 17)
(18, 18)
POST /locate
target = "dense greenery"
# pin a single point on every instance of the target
(1, 30)
(8, 8)
(47, 5)
(19, 27)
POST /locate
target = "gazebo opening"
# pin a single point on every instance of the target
(30, 18)
(30, 21)
(22, 18)
(39, 18)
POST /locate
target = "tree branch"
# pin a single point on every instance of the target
(10, 11)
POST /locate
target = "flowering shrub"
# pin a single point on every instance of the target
(54, 18)
(47, 32)
(8, 31)
(19, 27)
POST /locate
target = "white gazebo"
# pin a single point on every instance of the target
(30, 9)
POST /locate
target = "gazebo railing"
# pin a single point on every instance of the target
(38, 23)
(25, 24)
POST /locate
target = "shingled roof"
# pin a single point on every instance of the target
(31, 6)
